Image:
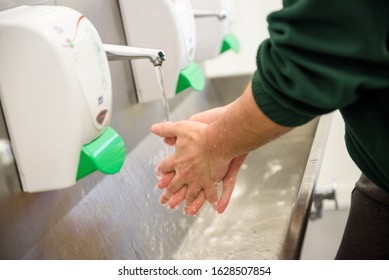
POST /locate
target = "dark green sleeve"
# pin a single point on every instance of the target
(321, 55)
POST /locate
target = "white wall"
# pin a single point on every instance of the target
(250, 26)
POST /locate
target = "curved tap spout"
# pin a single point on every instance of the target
(221, 15)
(117, 52)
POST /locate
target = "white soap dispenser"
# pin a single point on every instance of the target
(213, 28)
(167, 25)
(55, 90)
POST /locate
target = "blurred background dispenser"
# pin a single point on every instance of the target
(170, 26)
(56, 96)
(213, 28)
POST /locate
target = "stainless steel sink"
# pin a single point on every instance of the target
(119, 217)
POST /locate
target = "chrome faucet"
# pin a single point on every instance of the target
(221, 15)
(117, 52)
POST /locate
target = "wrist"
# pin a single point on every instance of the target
(219, 141)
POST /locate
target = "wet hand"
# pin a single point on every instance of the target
(206, 117)
(228, 186)
(192, 168)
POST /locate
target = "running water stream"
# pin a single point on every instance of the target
(158, 70)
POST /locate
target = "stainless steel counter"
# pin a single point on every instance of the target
(267, 216)
(119, 217)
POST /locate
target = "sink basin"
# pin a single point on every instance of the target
(119, 217)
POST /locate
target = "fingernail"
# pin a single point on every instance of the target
(193, 211)
(152, 128)
(186, 209)
(163, 199)
(162, 202)
(172, 208)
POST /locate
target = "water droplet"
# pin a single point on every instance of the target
(281, 203)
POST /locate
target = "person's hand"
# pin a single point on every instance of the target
(218, 148)
(228, 181)
(206, 117)
(174, 200)
(191, 172)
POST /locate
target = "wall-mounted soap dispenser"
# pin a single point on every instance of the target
(168, 25)
(213, 28)
(55, 90)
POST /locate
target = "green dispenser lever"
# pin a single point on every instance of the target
(192, 76)
(230, 42)
(106, 154)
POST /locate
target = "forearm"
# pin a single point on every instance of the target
(241, 128)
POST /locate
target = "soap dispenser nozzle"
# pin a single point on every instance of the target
(221, 15)
(117, 52)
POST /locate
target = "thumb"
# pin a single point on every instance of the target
(229, 183)
(164, 129)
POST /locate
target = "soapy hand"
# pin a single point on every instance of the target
(210, 148)
(192, 208)
(192, 162)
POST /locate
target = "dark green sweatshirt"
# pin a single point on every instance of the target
(324, 55)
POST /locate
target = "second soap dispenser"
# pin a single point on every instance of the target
(213, 28)
(167, 25)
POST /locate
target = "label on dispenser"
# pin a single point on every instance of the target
(83, 44)
(185, 15)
